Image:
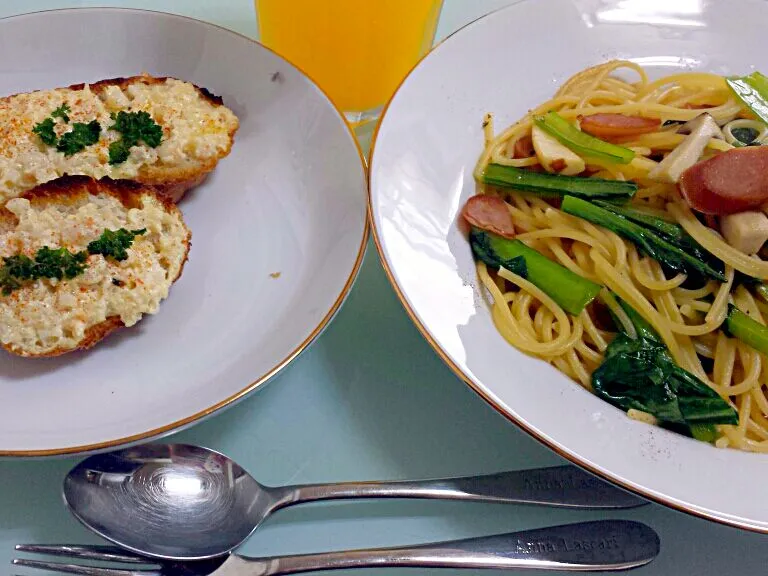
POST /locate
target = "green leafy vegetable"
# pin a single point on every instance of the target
(557, 186)
(482, 249)
(581, 142)
(750, 331)
(79, 137)
(704, 432)
(672, 233)
(753, 91)
(669, 230)
(639, 373)
(45, 130)
(650, 243)
(569, 290)
(745, 135)
(115, 243)
(134, 127)
(62, 112)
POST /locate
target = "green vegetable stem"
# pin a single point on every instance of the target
(569, 290)
(650, 243)
(581, 142)
(751, 332)
(556, 186)
(753, 91)
(672, 233)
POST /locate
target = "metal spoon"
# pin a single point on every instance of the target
(181, 502)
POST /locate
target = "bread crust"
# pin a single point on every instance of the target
(170, 181)
(70, 188)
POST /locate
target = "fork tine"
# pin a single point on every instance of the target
(82, 570)
(102, 553)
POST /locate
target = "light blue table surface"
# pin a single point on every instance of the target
(369, 400)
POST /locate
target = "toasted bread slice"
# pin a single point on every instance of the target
(198, 130)
(49, 317)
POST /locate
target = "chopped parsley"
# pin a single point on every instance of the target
(134, 127)
(114, 243)
(119, 152)
(79, 137)
(57, 263)
(62, 112)
(44, 129)
(14, 272)
(60, 263)
(71, 142)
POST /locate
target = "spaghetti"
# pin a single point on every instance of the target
(688, 316)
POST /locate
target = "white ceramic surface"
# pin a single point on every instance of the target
(289, 200)
(421, 174)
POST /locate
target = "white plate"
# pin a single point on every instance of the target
(290, 199)
(421, 174)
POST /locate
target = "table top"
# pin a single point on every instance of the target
(369, 400)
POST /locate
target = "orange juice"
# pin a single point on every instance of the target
(356, 50)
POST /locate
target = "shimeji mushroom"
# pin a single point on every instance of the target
(553, 156)
(745, 231)
(700, 131)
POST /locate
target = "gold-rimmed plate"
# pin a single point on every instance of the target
(421, 174)
(278, 234)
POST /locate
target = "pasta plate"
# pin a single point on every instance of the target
(421, 174)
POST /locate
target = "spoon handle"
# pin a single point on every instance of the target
(596, 546)
(561, 486)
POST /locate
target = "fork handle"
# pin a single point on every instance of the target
(597, 546)
(562, 486)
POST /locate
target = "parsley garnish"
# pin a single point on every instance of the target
(56, 263)
(115, 243)
(15, 271)
(60, 263)
(44, 129)
(61, 112)
(71, 142)
(119, 152)
(79, 137)
(134, 127)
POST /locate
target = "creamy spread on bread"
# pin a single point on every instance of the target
(49, 314)
(196, 131)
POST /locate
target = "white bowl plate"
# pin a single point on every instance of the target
(278, 234)
(421, 175)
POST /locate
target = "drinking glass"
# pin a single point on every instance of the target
(358, 51)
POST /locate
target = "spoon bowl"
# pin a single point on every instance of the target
(172, 501)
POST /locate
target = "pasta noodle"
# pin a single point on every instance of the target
(689, 318)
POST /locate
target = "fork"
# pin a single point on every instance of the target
(601, 545)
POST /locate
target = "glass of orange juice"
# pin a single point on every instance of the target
(358, 51)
